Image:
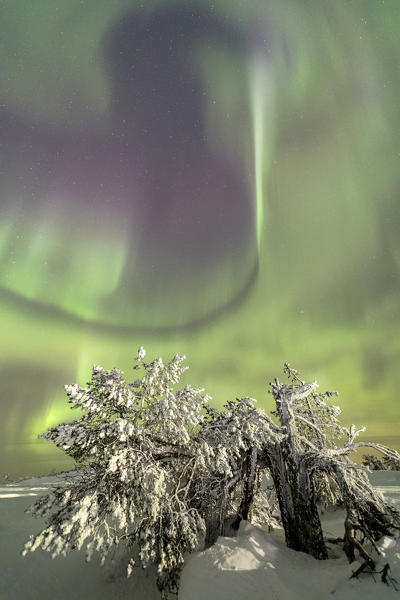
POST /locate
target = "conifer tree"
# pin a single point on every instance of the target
(162, 472)
(157, 468)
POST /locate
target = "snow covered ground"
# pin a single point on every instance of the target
(255, 565)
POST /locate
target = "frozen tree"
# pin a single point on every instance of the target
(158, 468)
(162, 472)
(384, 463)
(313, 453)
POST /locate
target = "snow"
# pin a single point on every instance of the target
(255, 565)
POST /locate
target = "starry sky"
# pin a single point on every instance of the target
(218, 179)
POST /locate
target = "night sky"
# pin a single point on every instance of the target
(216, 179)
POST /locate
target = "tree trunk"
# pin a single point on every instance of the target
(297, 504)
(309, 527)
(293, 483)
(279, 475)
(248, 488)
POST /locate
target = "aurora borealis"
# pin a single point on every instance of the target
(218, 179)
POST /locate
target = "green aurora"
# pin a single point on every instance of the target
(306, 114)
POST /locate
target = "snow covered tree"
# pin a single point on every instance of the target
(158, 468)
(161, 472)
(133, 446)
(384, 463)
(308, 453)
